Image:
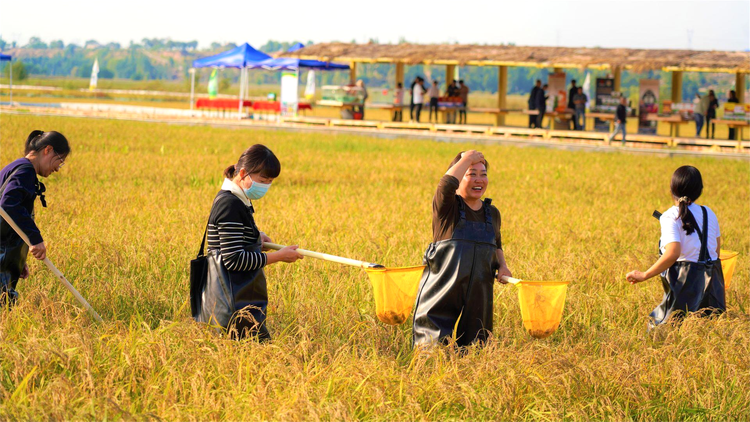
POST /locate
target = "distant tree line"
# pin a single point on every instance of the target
(163, 58)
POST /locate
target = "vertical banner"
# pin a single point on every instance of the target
(558, 98)
(310, 87)
(289, 94)
(94, 75)
(604, 102)
(213, 85)
(648, 103)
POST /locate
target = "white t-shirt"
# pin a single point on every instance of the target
(690, 246)
(418, 94)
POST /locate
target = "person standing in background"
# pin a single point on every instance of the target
(532, 102)
(361, 85)
(572, 92)
(713, 104)
(434, 95)
(417, 96)
(700, 113)
(411, 92)
(732, 99)
(541, 105)
(621, 120)
(579, 102)
(463, 92)
(398, 103)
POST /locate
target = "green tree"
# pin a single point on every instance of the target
(35, 42)
(19, 70)
(57, 44)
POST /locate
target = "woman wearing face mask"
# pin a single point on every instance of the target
(235, 295)
(457, 282)
(45, 154)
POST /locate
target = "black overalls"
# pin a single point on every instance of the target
(692, 286)
(13, 250)
(236, 300)
(457, 284)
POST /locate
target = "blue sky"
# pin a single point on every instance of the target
(713, 25)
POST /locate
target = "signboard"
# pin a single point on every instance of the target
(289, 94)
(736, 111)
(605, 102)
(648, 102)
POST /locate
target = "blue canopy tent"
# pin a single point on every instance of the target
(288, 63)
(9, 59)
(240, 57)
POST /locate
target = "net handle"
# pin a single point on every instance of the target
(326, 257)
(511, 280)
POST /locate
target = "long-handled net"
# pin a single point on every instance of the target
(541, 304)
(728, 264)
(395, 290)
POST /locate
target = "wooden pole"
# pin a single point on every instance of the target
(502, 92)
(352, 72)
(676, 94)
(450, 74)
(618, 78)
(400, 74)
(52, 267)
(740, 86)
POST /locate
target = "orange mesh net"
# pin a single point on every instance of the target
(395, 290)
(542, 304)
(728, 264)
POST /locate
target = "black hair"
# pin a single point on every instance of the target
(256, 159)
(460, 81)
(686, 187)
(573, 81)
(39, 140)
(458, 158)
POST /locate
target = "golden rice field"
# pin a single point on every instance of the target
(127, 212)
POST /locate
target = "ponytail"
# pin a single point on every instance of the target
(38, 140)
(686, 187)
(229, 172)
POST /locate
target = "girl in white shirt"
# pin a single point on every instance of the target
(690, 243)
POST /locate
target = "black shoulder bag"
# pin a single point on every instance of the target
(198, 276)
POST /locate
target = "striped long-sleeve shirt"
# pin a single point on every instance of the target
(232, 230)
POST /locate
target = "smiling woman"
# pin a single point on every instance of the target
(45, 154)
(457, 282)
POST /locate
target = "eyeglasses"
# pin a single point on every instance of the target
(62, 161)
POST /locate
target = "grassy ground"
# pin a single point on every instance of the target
(127, 212)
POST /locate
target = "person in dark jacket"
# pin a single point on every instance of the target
(532, 102)
(455, 293)
(572, 92)
(713, 105)
(235, 295)
(541, 104)
(621, 120)
(45, 154)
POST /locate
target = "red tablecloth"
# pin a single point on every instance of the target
(221, 103)
(275, 106)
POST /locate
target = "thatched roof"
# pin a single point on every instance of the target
(509, 55)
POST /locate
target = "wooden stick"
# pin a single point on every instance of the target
(326, 257)
(511, 280)
(52, 267)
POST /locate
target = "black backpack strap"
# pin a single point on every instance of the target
(201, 252)
(703, 235)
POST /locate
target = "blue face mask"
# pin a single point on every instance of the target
(257, 190)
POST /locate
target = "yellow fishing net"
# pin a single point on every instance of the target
(542, 303)
(395, 290)
(728, 263)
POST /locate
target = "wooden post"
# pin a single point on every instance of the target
(352, 72)
(399, 74)
(502, 91)
(676, 94)
(740, 87)
(617, 72)
(450, 74)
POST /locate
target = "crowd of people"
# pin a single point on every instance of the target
(705, 111)
(420, 92)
